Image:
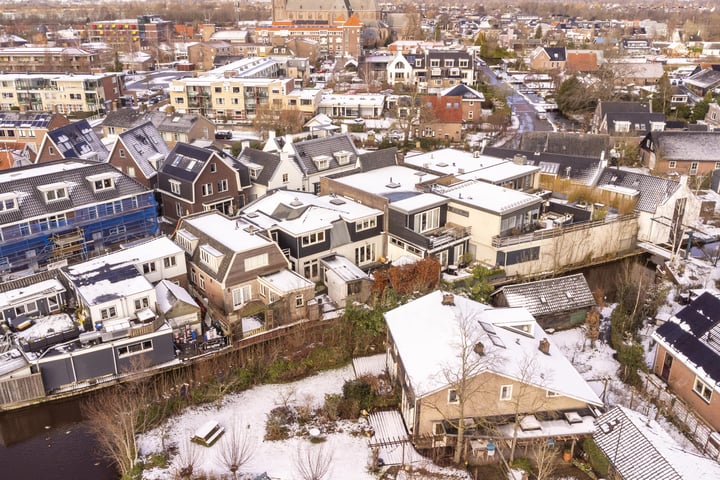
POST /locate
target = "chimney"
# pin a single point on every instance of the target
(271, 134)
(545, 346)
(479, 348)
(448, 299)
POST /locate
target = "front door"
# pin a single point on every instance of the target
(667, 364)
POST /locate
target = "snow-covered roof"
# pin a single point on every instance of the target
(228, 232)
(387, 180)
(167, 294)
(426, 333)
(449, 161)
(29, 292)
(487, 196)
(301, 212)
(421, 201)
(343, 268)
(639, 449)
(285, 281)
(46, 326)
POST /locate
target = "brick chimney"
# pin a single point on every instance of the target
(544, 346)
(448, 299)
(479, 348)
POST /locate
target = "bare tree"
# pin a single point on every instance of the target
(237, 447)
(527, 399)
(117, 414)
(465, 390)
(313, 463)
(187, 460)
(545, 460)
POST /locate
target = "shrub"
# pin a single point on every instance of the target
(276, 427)
(596, 457)
(359, 391)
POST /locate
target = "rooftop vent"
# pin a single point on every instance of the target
(296, 203)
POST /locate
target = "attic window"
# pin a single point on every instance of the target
(186, 240)
(176, 160)
(342, 157)
(254, 173)
(8, 201)
(190, 165)
(568, 295)
(322, 162)
(101, 182)
(497, 341)
(210, 256)
(543, 300)
(54, 191)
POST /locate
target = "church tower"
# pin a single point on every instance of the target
(279, 11)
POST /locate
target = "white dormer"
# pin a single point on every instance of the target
(54, 191)
(8, 201)
(211, 256)
(100, 182)
(255, 172)
(342, 157)
(186, 240)
(322, 162)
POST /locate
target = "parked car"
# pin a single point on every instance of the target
(223, 134)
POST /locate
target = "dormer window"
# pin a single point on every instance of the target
(255, 173)
(186, 240)
(322, 162)
(342, 157)
(8, 201)
(53, 192)
(101, 182)
(210, 256)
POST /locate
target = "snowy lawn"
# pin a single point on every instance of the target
(249, 409)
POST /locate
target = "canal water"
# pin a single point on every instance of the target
(50, 442)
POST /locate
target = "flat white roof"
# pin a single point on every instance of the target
(43, 169)
(419, 202)
(489, 197)
(343, 268)
(448, 161)
(500, 172)
(387, 180)
(229, 232)
(46, 287)
(286, 281)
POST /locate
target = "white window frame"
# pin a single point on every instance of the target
(256, 261)
(694, 168)
(134, 348)
(506, 393)
(108, 312)
(365, 224)
(241, 295)
(672, 164)
(453, 397)
(431, 219)
(206, 189)
(299, 300)
(175, 187)
(149, 267)
(702, 389)
(141, 303)
(313, 238)
(169, 262)
(222, 185)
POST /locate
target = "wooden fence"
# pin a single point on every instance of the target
(21, 389)
(694, 428)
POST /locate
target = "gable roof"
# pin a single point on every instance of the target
(639, 121)
(556, 54)
(464, 91)
(582, 61)
(30, 119)
(79, 140)
(567, 143)
(306, 151)
(146, 146)
(687, 146)
(269, 162)
(693, 333)
(706, 78)
(426, 332)
(128, 118)
(169, 294)
(24, 181)
(652, 191)
(622, 107)
(582, 170)
(639, 449)
(185, 161)
(553, 295)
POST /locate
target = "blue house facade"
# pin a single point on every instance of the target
(67, 210)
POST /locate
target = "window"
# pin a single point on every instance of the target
(112, 207)
(202, 282)
(263, 291)
(109, 312)
(435, 62)
(254, 172)
(241, 296)
(207, 189)
(53, 221)
(141, 303)
(169, 262)
(702, 389)
(210, 256)
(366, 224)
(257, 261)
(122, 153)
(506, 392)
(672, 164)
(693, 168)
(148, 267)
(102, 184)
(717, 165)
(438, 429)
(427, 221)
(222, 185)
(463, 63)
(213, 167)
(311, 269)
(26, 308)
(193, 276)
(285, 178)
(453, 396)
(131, 172)
(365, 254)
(175, 187)
(313, 238)
(551, 394)
(299, 301)
(53, 193)
(8, 201)
(134, 348)
(178, 209)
